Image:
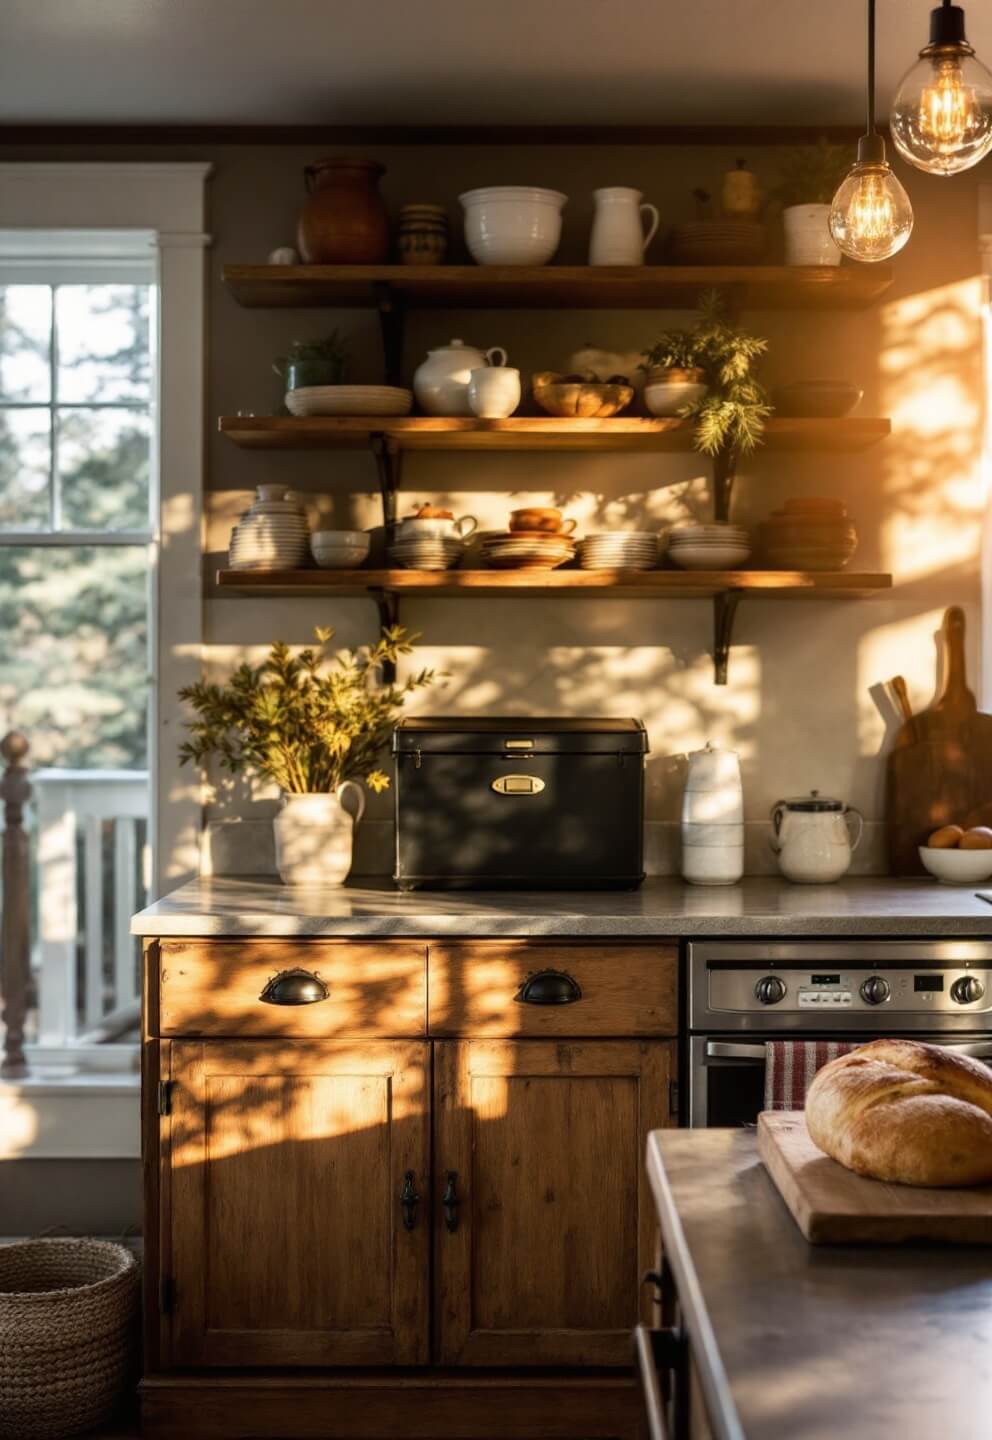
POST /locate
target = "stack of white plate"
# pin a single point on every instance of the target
(349, 400)
(709, 547)
(426, 553)
(620, 550)
(527, 550)
(272, 535)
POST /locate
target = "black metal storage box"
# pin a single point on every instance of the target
(532, 804)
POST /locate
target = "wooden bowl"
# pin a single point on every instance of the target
(580, 399)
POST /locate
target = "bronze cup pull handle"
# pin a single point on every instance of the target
(549, 987)
(450, 1201)
(409, 1200)
(294, 987)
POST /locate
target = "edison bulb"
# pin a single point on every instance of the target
(941, 118)
(871, 217)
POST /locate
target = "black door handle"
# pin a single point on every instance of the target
(549, 987)
(409, 1200)
(450, 1201)
(294, 987)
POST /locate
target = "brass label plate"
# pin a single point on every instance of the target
(518, 785)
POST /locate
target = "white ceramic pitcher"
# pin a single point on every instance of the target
(618, 236)
(314, 835)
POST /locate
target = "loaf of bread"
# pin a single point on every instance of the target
(902, 1111)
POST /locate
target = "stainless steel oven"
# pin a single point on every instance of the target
(741, 995)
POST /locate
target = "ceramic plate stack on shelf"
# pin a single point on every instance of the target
(527, 550)
(620, 550)
(272, 535)
(809, 534)
(349, 400)
(709, 547)
(426, 552)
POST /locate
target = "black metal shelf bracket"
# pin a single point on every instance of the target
(391, 322)
(389, 465)
(388, 605)
(724, 475)
(724, 613)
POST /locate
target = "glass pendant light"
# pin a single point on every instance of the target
(871, 217)
(942, 114)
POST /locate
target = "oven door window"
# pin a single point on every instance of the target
(735, 1092)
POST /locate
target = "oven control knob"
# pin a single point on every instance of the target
(966, 990)
(875, 990)
(769, 990)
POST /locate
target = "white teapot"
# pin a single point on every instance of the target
(440, 382)
(812, 838)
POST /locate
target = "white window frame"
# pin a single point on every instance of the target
(167, 201)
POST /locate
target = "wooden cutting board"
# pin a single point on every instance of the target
(940, 765)
(833, 1206)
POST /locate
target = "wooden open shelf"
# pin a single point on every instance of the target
(624, 584)
(427, 432)
(574, 287)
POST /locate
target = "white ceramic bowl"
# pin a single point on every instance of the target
(342, 559)
(957, 867)
(512, 224)
(665, 400)
(339, 539)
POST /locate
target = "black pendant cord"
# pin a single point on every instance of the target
(870, 130)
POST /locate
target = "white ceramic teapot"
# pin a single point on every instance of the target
(812, 838)
(440, 382)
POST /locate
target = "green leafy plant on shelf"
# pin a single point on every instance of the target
(810, 174)
(314, 362)
(730, 417)
(307, 722)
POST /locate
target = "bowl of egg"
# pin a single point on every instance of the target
(956, 856)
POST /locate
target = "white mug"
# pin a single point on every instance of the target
(494, 392)
(617, 228)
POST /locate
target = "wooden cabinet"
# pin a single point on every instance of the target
(286, 1163)
(344, 1193)
(543, 1145)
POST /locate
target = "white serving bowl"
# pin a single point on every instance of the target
(340, 539)
(341, 559)
(957, 867)
(512, 224)
(668, 399)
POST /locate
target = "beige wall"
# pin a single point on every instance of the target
(803, 704)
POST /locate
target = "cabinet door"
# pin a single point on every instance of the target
(554, 1227)
(286, 1163)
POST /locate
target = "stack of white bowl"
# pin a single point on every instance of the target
(339, 549)
(709, 547)
(272, 535)
(713, 818)
(620, 550)
(426, 552)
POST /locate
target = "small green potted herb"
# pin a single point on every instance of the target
(729, 404)
(314, 725)
(810, 175)
(313, 362)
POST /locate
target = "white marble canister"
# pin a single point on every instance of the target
(713, 818)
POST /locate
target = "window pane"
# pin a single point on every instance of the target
(25, 446)
(103, 469)
(74, 653)
(25, 340)
(102, 334)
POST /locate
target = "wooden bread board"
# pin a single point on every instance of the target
(833, 1206)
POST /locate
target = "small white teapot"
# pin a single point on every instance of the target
(441, 382)
(812, 838)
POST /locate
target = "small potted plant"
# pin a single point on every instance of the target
(313, 362)
(810, 175)
(315, 726)
(729, 405)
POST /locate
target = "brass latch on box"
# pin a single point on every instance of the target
(518, 785)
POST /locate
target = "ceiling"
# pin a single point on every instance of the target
(453, 62)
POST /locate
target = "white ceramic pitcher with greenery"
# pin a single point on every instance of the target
(314, 724)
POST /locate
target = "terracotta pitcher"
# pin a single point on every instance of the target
(344, 220)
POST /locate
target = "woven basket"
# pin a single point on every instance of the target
(68, 1326)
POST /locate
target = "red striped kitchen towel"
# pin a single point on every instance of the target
(790, 1066)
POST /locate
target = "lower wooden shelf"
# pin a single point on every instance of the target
(726, 588)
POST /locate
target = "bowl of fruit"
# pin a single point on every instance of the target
(956, 856)
(581, 396)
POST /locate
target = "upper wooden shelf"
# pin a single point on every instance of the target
(628, 584)
(429, 432)
(573, 287)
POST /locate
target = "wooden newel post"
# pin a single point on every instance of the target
(15, 947)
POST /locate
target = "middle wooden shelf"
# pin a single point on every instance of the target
(429, 432)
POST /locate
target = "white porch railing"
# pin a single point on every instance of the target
(87, 976)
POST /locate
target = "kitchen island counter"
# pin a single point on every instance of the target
(662, 908)
(797, 1342)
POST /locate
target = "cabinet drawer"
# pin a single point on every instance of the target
(497, 988)
(215, 987)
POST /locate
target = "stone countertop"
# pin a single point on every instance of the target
(800, 1342)
(663, 909)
